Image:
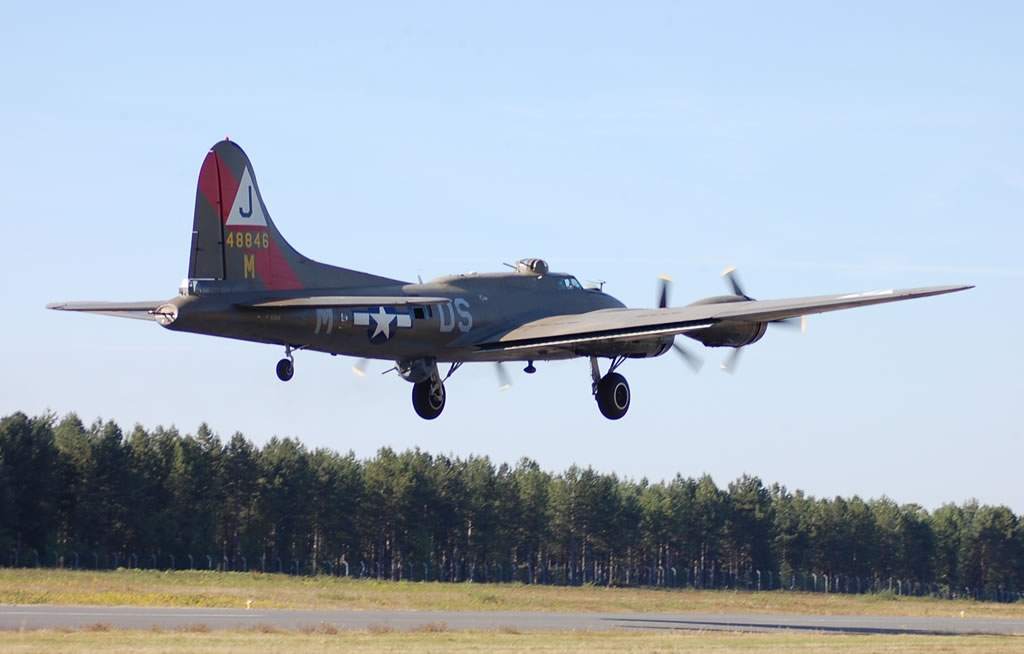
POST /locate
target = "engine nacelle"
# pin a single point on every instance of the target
(646, 349)
(416, 370)
(735, 334)
(728, 334)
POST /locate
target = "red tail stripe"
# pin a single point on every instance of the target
(281, 277)
(208, 184)
(218, 185)
(228, 189)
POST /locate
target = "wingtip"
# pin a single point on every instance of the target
(956, 288)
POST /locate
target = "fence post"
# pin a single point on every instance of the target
(95, 561)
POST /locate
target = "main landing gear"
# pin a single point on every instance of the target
(428, 393)
(428, 397)
(286, 366)
(611, 391)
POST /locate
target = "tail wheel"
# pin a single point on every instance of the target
(285, 369)
(613, 396)
(428, 398)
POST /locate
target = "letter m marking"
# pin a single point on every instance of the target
(249, 266)
(325, 320)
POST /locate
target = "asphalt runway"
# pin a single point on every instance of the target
(55, 617)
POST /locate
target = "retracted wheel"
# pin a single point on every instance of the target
(285, 369)
(613, 396)
(428, 398)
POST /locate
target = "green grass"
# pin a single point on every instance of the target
(99, 639)
(235, 590)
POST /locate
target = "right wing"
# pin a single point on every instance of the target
(588, 333)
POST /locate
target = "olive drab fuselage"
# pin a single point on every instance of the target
(480, 307)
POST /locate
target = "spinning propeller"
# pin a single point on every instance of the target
(730, 363)
(504, 381)
(691, 359)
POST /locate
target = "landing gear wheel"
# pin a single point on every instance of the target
(428, 398)
(613, 396)
(285, 369)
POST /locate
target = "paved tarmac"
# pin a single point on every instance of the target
(54, 617)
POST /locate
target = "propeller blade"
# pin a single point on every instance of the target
(663, 293)
(734, 281)
(730, 363)
(792, 323)
(691, 359)
(359, 367)
(504, 382)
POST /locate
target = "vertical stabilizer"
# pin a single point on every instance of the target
(234, 239)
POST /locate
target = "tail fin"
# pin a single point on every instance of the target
(234, 239)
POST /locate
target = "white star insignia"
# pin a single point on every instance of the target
(383, 320)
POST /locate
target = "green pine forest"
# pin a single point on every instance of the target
(95, 496)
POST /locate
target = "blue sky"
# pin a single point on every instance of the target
(818, 148)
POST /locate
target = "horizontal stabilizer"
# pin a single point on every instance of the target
(349, 301)
(136, 310)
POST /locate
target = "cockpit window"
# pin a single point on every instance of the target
(571, 284)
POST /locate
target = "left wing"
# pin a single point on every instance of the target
(588, 331)
(136, 310)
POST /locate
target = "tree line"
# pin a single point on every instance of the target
(96, 496)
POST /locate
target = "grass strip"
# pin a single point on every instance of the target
(98, 639)
(266, 591)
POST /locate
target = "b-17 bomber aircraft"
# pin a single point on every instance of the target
(246, 282)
